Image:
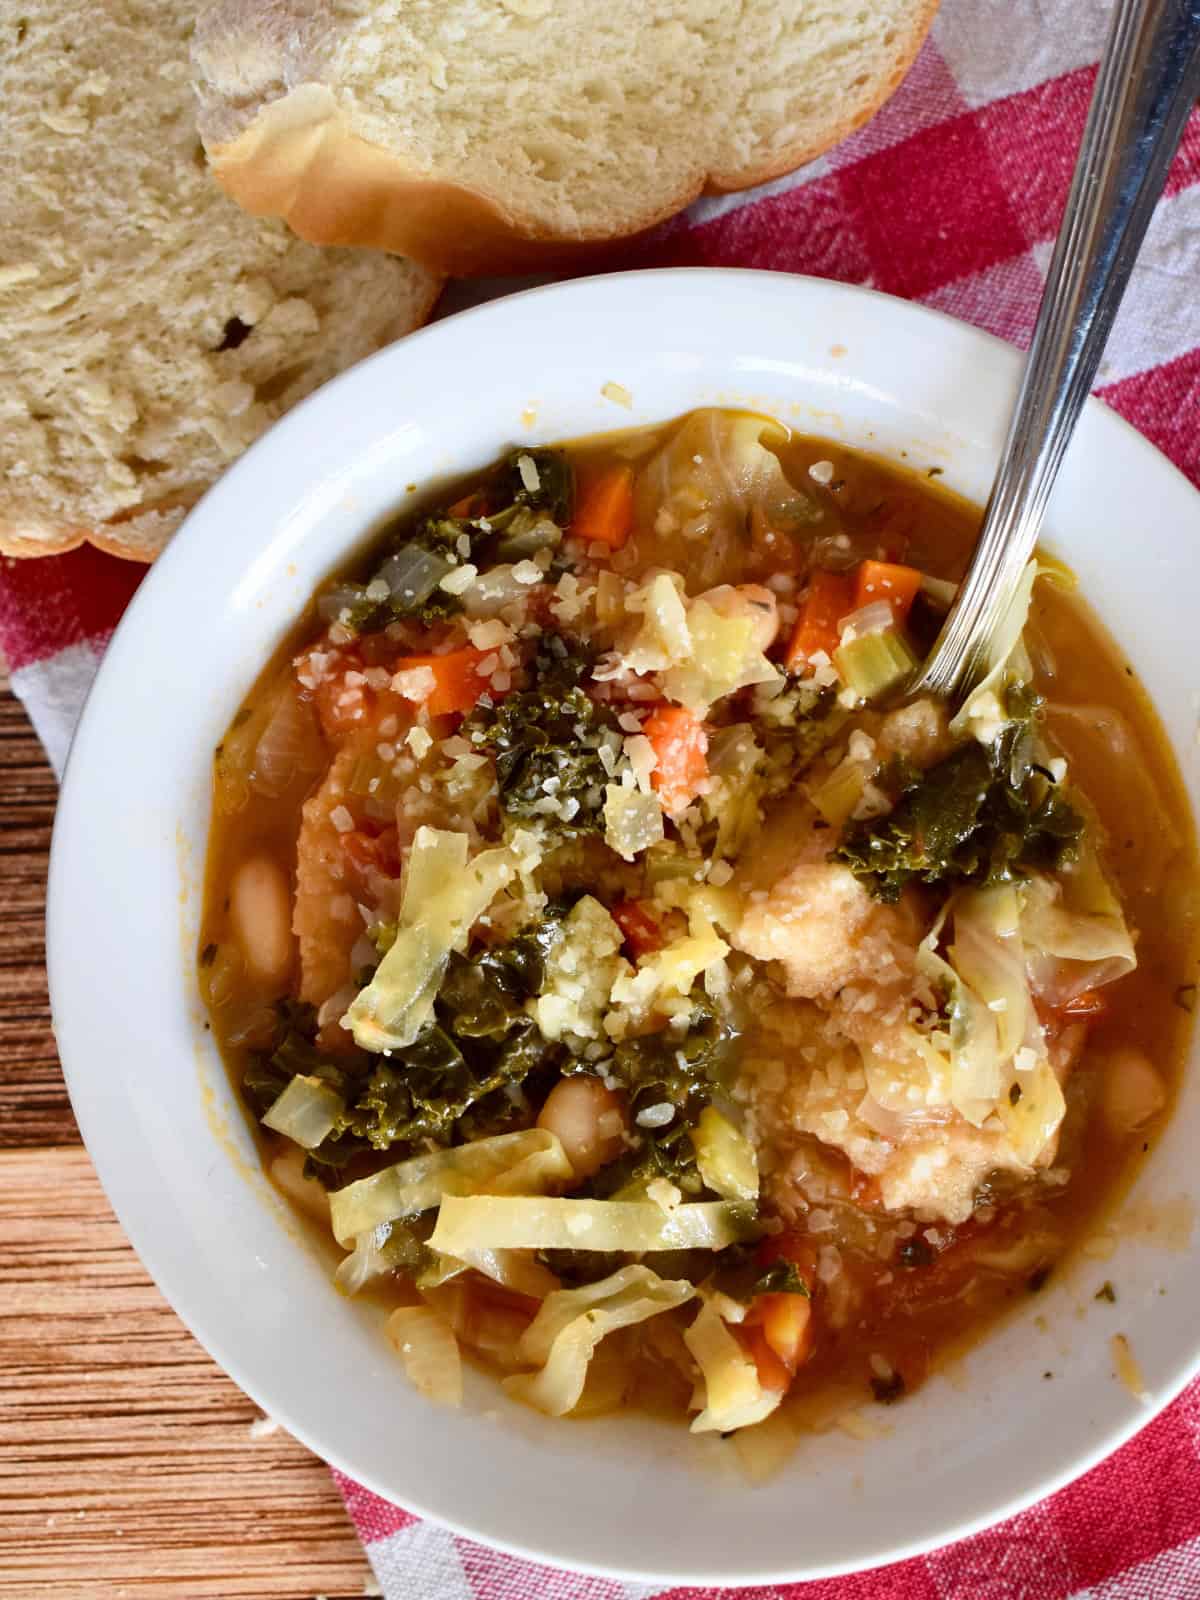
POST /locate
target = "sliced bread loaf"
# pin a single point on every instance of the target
(149, 330)
(477, 135)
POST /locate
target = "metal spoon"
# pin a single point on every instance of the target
(1148, 81)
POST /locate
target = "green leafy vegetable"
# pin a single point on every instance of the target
(514, 520)
(781, 1277)
(546, 742)
(679, 1071)
(981, 815)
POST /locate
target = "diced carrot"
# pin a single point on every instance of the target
(341, 707)
(604, 508)
(773, 1371)
(457, 681)
(787, 1327)
(885, 580)
(680, 747)
(641, 930)
(468, 506)
(830, 597)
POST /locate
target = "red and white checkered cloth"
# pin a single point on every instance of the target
(952, 197)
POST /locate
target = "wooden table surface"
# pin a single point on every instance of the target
(127, 1464)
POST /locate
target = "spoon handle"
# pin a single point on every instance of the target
(1148, 81)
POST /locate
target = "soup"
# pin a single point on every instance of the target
(654, 1005)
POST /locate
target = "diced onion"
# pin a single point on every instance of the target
(872, 618)
(486, 1222)
(429, 1352)
(734, 1397)
(412, 574)
(306, 1112)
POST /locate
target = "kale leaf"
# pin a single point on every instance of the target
(981, 815)
(546, 743)
(666, 1069)
(508, 521)
(477, 1070)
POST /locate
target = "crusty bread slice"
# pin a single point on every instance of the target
(476, 135)
(149, 330)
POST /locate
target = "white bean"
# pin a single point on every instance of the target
(260, 918)
(1131, 1090)
(589, 1121)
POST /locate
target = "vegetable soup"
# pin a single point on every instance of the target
(653, 1004)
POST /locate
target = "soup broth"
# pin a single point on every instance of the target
(658, 1008)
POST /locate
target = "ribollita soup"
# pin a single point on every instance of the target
(653, 1004)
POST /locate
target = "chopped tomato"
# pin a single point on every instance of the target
(884, 580)
(830, 597)
(473, 504)
(604, 507)
(456, 684)
(788, 1246)
(641, 930)
(334, 678)
(379, 850)
(1091, 1004)
(680, 747)
(864, 1190)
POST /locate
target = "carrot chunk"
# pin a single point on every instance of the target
(830, 597)
(885, 580)
(604, 509)
(457, 682)
(680, 747)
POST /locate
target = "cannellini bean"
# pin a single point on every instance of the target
(260, 917)
(1131, 1090)
(287, 1174)
(589, 1121)
(750, 600)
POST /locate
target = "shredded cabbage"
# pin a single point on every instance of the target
(733, 1396)
(977, 715)
(444, 895)
(429, 1351)
(518, 1270)
(710, 478)
(377, 1251)
(1075, 934)
(975, 1076)
(510, 1163)
(485, 1222)
(723, 658)
(725, 1157)
(571, 1323)
(998, 1060)
(306, 1112)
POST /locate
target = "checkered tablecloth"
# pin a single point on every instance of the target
(952, 197)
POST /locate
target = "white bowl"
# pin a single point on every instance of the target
(625, 1496)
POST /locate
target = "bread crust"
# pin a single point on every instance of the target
(299, 160)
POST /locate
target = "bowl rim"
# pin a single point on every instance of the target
(191, 1307)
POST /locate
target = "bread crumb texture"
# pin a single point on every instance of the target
(149, 330)
(470, 131)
